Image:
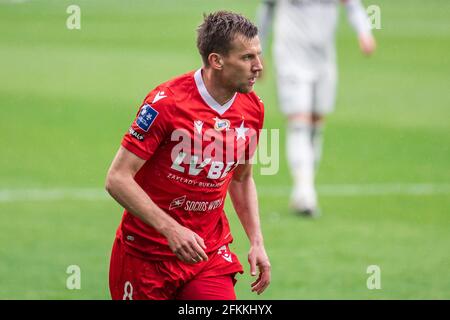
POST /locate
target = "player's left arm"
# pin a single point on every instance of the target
(357, 17)
(243, 194)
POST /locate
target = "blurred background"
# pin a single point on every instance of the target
(68, 96)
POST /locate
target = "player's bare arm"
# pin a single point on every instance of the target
(186, 244)
(243, 194)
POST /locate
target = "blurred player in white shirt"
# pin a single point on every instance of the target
(305, 59)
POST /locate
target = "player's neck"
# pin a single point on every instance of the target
(215, 87)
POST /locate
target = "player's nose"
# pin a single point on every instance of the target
(258, 66)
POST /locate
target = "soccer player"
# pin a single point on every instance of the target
(191, 142)
(305, 60)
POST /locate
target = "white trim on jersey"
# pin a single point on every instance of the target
(209, 100)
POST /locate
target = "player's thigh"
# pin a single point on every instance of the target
(132, 278)
(209, 288)
(325, 92)
(295, 94)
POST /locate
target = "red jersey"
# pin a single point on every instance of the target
(191, 145)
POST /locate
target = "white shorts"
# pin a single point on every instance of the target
(298, 95)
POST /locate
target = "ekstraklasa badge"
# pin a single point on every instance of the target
(146, 117)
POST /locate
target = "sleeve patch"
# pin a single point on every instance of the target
(146, 117)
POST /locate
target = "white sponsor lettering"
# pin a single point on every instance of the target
(216, 170)
(215, 204)
(193, 169)
(202, 206)
(196, 206)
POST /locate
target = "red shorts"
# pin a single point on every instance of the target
(131, 277)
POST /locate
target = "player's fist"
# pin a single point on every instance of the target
(187, 245)
(367, 44)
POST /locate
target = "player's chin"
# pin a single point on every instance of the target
(245, 88)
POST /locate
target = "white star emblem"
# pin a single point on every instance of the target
(240, 132)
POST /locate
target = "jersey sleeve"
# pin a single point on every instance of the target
(151, 126)
(254, 138)
(357, 16)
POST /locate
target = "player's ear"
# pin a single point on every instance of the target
(215, 61)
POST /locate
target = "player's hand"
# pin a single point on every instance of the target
(187, 245)
(367, 44)
(257, 257)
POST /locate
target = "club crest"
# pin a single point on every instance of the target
(221, 124)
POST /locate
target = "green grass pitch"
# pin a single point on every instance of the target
(67, 97)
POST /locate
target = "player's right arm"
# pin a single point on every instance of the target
(150, 126)
(120, 184)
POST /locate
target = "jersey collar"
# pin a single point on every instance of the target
(209, 100)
